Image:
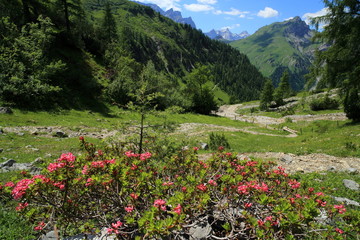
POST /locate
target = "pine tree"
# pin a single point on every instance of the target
(339, 65)
(266, 95)
(283, 90)
(108, 31)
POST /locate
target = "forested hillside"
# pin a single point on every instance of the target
(72, 53)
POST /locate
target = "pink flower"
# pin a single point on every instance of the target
(81, 138)
(85, 170)
(340, 208)
(145, 156)
(9, 184)
(177, 209)
(251, 163)
(212, 182)
(321, 203)
(183, 189)
(261, 222)
(21, 206)
(319, 194)
(134, 196)
(242, 189)
(159, 203)
(98, 164)
(221, 148)
(269, 218)
(54, 166)
(310, 189)
(60, 185)
(201, 187)
(339, 230)
(292, 200)
(129, 208)
(131, 154)
(40, 226)
(20, 188)
(134, 166)
(67, 157)
(168, 183)
(294, 184)
(195, 149)
(247, 205)
(112, 161)
(117, 224)
(89, 182)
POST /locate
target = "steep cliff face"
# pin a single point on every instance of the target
(279, 47)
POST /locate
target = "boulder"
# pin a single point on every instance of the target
(201, 230)
(350, 184)
(5, 110)
(347, 201)
(286, 159)
(60, 134)
(352, 170)
(204, 146)
(8, 163)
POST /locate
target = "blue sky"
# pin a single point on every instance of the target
(241, 15)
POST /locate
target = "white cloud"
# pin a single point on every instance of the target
(207, 1)
(231, 27)
(287, 19)
(198, 7)
(235, 12)
(232, 12)
(308, 16)
(267, 13)
(164, 4)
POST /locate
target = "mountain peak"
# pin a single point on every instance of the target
(297, 27)
(171, 13)
(226, 34)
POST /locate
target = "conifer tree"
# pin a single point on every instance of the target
(339, 65)
(283, 90)
(266, 95)
(108, 31)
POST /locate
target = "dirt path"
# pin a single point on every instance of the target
(229, 111)
(292, 163)
(315, 162)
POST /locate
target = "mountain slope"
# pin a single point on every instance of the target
(176, 48)
(281, 46)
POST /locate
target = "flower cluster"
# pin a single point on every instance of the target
(65, 160)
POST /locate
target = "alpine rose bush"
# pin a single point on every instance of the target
(140, 196)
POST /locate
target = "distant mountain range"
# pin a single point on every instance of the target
(279, 47)
(226, 34)
(174, 15)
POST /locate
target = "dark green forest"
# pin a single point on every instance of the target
(76, 54)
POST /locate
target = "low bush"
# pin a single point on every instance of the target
(218, 140)
(139, 196)
(324, 103)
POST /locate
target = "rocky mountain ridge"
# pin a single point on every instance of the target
(171, 13)
(226, 34)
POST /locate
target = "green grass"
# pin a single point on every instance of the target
(13, 227)
(330, 183)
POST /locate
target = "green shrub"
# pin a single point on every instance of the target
(218, 140)
(140, 196)
(324, 103)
